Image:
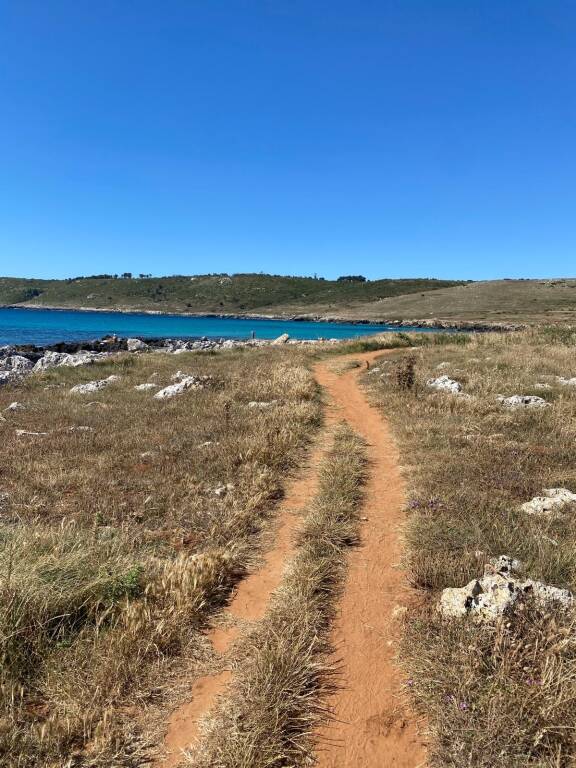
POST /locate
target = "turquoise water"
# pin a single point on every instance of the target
(49, 326)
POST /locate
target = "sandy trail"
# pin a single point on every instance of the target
(248, 603)
(371, 728)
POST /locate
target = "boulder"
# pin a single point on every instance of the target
(94, 386)
(17, 363)
(7, 376)
(188, 382)
(57, 359)
(445, 384)
(280, 340)
(486, 598)
(136, 345)
(553, 500)
(522, 401)
(566, 382)
(145, 387)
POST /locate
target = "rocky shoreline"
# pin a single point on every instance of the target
(20, 360)
(426, 323)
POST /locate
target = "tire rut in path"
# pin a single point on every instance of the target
(249, 603)
(371, 728)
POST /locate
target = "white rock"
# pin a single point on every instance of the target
(7, 376)
(16, 363)
(445, 384)
(145, 387)
(554, 500)
(81, 428)
(222, 490)
(566, 382)
(15, 407)
(440, 366)
(63, 359)
(280, 340)
(25, 432)
(93, 386)
(262, 405)
(486, 598)
(523, 401)
(540, 385)
(189, 382)
(136, 345)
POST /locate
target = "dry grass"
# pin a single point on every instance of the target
(284, 674)
(504, 695)
(115, 548)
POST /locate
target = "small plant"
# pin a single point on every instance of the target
(406, 373)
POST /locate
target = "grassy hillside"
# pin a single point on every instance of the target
(523, 301)
(207, 293)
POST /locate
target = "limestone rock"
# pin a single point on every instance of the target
(261, 404)
(26, 433)
(445, 384)
(523, 401)
(7, 376)
(553, 500)
(486, 598)
(93, 386)
(16, 363)
(15, 407)
(136, 345)
(566, 382)
(58, 359)
(145, 387)
(188, 382)
(280, 340)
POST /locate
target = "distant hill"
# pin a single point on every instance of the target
(237, 294)
(497, 301)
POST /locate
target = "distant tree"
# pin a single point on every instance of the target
(127, 275)
(352, 279)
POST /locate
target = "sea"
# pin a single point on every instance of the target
(50, 326)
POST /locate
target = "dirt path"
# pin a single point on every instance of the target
(248, 603)
(371, 729)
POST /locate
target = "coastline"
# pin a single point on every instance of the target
(426, 323)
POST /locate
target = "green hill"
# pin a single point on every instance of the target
(239, 294)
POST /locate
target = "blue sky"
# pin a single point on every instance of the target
(406, 138)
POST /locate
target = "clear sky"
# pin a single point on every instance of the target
(389, 138)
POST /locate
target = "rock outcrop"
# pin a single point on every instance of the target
(553, 500)
(136, 345)
(93, 386)
(188, 382)
(445, 384)
(523, 401)
(487, 598)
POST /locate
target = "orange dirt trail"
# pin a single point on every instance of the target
(371, 727)
(249, 602)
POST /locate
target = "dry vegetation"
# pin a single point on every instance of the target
(284, 672)
(498, 301)
(114, 547)
(501, 695)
